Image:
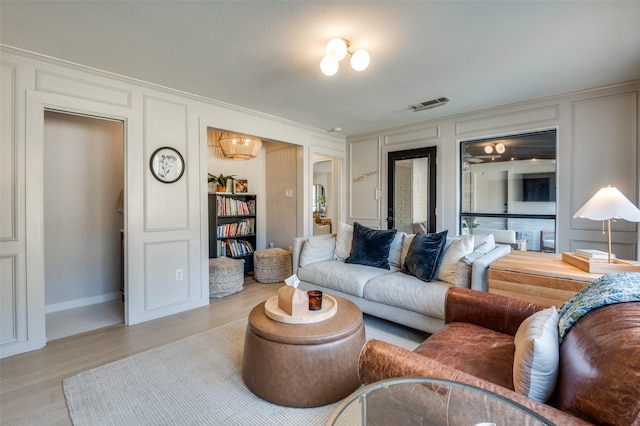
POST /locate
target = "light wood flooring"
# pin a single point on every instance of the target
(31, 384)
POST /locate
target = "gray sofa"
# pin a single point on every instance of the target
(389, 293)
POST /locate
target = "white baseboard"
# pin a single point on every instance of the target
(78, 303)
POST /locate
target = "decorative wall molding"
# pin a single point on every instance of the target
(424, 134)
(82, 89)
(9, 155)
(161, 260)
(507, 120)
(9, 300)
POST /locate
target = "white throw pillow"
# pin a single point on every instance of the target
(537, 355)
(457, 248)
(317, 249)
(463, 269)
(480, 239)
(343, 241)
(395, 251)
(406, 243)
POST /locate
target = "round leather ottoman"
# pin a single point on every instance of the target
(303, 365)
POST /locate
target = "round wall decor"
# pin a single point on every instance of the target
(167, 165)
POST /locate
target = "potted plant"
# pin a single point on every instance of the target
(321, 202)
(221, 181)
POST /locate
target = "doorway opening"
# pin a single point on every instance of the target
(412, 190)
(83, 223)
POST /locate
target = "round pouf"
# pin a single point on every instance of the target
(303, 365)
(226, 276)
(271, 265)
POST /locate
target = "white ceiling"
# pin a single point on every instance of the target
(264, 55)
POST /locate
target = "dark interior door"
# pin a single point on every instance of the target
(411, 200)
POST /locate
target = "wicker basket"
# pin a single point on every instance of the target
(226, 276)
(271, 265)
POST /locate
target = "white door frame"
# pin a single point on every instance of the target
(37, 103)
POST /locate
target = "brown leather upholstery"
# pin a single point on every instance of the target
(492, 311)
(490, 362)
(599, 378)
(600, 366)
(303, 365)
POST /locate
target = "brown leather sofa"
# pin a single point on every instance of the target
(599, 374)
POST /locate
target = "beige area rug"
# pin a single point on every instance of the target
(194, 381)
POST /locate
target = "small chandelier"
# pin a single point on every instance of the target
(238, 146)
(337, 49)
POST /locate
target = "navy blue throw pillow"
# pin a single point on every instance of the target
(424, 255)
(370, 246)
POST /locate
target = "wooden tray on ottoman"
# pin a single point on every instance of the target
(329, 309)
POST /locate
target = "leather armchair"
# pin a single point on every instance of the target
(599, 376)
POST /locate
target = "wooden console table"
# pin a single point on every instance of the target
(541, 278)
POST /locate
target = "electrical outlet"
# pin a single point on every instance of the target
(288, 193)
(179, 274)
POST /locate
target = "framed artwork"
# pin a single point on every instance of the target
(167, 164)
(241, 185)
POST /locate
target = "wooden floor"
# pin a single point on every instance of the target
(31, 384)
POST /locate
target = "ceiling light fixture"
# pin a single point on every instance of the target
(499, 147)
(337, 50)
(238, 146)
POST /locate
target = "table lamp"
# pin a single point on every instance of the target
(609, 203)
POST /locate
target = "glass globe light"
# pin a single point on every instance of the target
(337, 49)
(329, 66)
(500, 148)
(488, 149)
(360, 60)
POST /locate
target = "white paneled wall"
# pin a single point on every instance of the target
(598, 144)
(166, 229)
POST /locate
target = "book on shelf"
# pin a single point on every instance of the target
(594, 254)
(238, 248)
(227, 206)
(236, 229)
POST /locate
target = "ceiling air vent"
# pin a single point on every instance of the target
(430, 104)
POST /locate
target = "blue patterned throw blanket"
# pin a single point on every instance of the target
(606, 290)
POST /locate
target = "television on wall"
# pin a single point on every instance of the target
(539, 187)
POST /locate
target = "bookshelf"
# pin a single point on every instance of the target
(232, 227)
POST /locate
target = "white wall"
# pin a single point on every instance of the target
(166, 227)
(84, 174)
(598, 144)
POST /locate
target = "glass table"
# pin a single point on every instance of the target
(426, 401)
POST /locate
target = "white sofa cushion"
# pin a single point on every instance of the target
(408, 292)
(343, 241)
(395, 251)
(537, 355)
(317, 249)
(456, 248)
(348, 278)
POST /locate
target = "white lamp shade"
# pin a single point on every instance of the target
(488, 149)
(500, 148)
(329, 66)
(609, 203)
(360, 60)
(337, 49)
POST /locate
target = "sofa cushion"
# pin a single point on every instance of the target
(462, 276)
(473, 349)
(408, 292)
(536, 359)
(455, 249)
(425, 255)
(345, 277)
(343, 241)
(406, 243)
(395, 251)
(370, 246)
(317, 249)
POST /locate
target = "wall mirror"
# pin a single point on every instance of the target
(508, 187)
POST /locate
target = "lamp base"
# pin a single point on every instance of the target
(600, 267)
